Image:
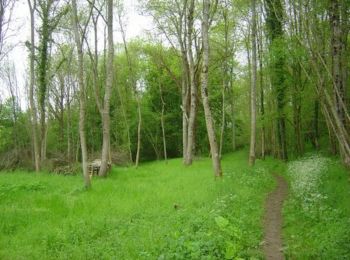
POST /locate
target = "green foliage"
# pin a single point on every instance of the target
(132, 214)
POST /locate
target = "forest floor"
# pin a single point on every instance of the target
(169, 211)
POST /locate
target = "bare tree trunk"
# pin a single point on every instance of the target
(253, 90)
(193, 88)
(69, 138)
(138, 131)
(223, 116)
(233, 118)
(78, 41)
(108, 89)
(138, 98)
(162, 123)
(316, 125)
(224, 81)
(33, 111)
(262, 105)
(185, 101)
(204, 91)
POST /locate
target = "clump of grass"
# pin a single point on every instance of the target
(317, 213)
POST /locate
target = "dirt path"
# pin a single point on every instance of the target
(273, 220)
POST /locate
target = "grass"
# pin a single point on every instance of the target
(169, 211)
(131, 214)
(317, 213)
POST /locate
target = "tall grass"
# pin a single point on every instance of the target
(158, 211)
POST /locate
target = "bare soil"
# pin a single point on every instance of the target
(273, 220)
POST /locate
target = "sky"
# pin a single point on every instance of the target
(136, 26)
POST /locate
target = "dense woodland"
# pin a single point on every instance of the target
(210, 78)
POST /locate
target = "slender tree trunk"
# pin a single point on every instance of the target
(316, 125)
(61, 112)
(261, 79)
(139, 124)
(223, 116)
(162, 123)
(204, 91)
(33, 111)
(232, 108)
(78, 42)
(107, 96)
(224, 80)
(193, 88)
(69, 138)
(184, 107)
(253, 89)
(138, 98)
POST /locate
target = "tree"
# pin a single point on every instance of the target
(6, 8)
(33, 111)
(274, 20)
(107, 96)
(204, 91)
(253, 89)
(133, 83)
(79, 43)
(50, 19)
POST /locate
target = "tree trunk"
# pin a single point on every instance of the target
(253, 90)
(184, 107)
(223, 116)
(139, 124)
(204, 91)
(108, 89)
(232, 106)
(337, 60)
(162, 123)
(193, 88)
(274, 10)
(78, 42)
(316, 124)
(33, 111)
(69, 138)
(261, 79)
(224, 80)
(43, 66)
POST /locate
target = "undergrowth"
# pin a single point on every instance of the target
(317, 213)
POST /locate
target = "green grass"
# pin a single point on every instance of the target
(131, 214)
(317, 219)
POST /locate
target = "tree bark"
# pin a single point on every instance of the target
(232, 106)
(139, 124)
(224, 80)
(253, 89)
(33, 112)
(262, 105)
(193, 87)
(78, 42)
(204, 91)
(162, 123)
(107, 96)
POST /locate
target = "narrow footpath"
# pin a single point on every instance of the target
(273, 220)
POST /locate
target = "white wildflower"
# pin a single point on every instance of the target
(306, 176)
